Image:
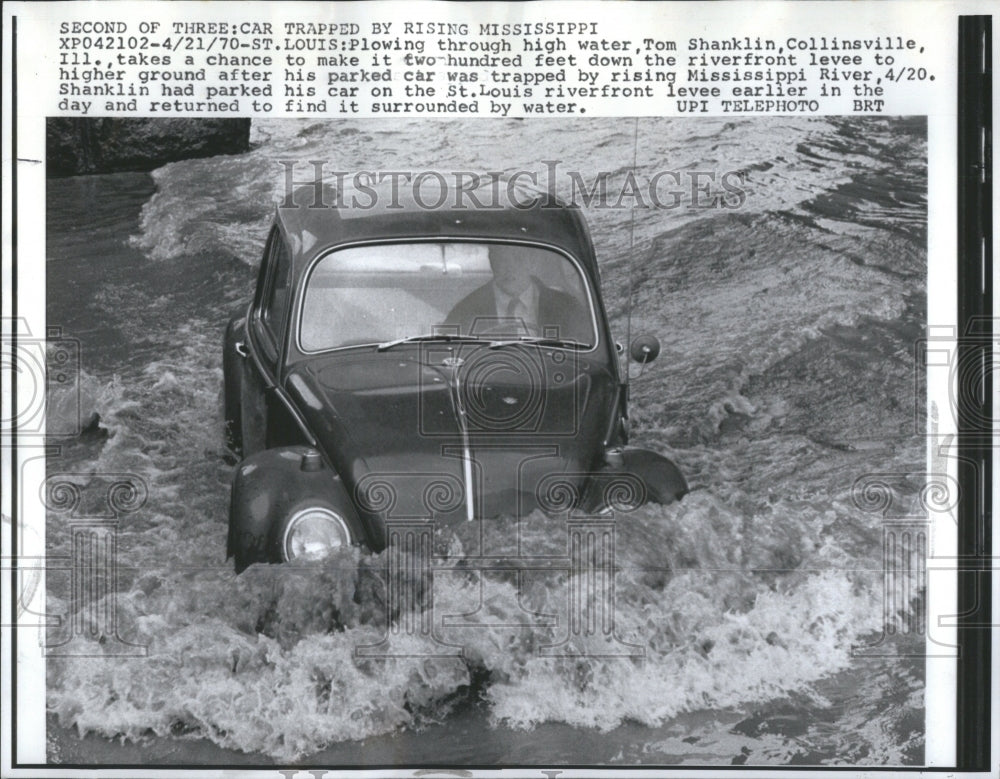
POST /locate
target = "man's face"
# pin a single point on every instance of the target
(511, 272)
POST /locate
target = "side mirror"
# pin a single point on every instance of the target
(644, 349)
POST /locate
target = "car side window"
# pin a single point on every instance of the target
(276, 297)
(276, 303)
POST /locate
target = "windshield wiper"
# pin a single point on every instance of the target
(412, 339)
(565, 343)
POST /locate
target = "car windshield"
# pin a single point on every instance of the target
(385, 293)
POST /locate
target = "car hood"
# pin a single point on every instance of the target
(455, 429)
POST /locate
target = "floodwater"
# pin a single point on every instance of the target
(787, 373)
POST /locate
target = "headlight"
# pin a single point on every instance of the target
(313, 533)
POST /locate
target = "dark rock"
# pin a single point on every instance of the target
(103, 145)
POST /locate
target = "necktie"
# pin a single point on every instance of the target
(519, 315)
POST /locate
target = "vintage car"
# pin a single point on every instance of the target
(407, 363)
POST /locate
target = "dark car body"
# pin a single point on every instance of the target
(442, 427)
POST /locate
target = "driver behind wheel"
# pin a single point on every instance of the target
(516, 303)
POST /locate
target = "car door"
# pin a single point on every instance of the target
(267, 420)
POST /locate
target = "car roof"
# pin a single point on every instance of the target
(316, 220)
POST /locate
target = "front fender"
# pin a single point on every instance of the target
(268, 487)
(648, 477)
(663, 479)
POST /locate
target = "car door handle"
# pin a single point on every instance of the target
(241, 349)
